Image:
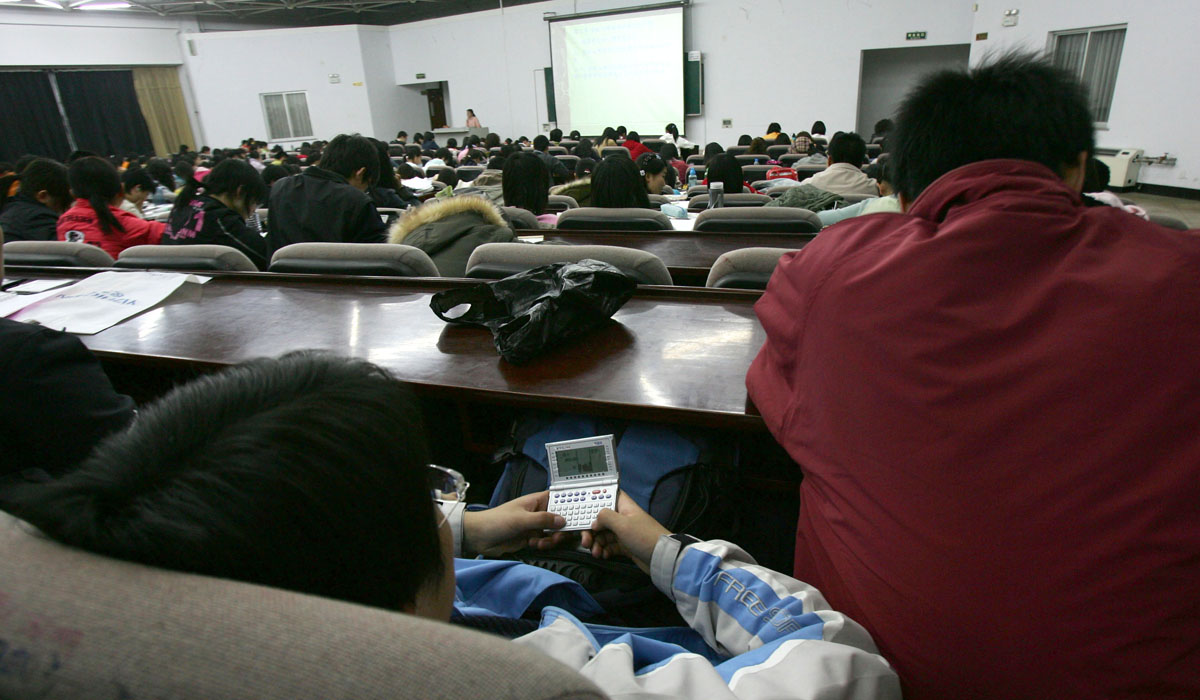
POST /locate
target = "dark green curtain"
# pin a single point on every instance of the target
(29, 118)
(103, 110)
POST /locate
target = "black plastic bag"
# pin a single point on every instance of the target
(539, 308)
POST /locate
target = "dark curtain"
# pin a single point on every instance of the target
(29, 118)
(102, 107)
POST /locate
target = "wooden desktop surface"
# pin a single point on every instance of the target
(672, 355)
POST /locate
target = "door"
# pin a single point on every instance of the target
(437, 108)
(888, 74)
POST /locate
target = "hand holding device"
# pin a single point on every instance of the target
(508, 527)
(628, 530)
(583, 479)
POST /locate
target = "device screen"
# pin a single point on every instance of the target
(582, 460)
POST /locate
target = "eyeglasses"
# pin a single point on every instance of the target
(446, 484)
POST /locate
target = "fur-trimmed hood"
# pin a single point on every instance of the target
(437, 209)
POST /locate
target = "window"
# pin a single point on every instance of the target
(1092, 55)
(287, 115)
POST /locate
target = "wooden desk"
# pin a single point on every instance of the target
(673, 355)
(688, 255)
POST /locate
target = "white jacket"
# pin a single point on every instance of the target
(844, 179)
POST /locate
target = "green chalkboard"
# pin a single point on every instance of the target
(693, 87)
(551, 108)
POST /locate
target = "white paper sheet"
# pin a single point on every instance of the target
(97, 302)
(35, 286)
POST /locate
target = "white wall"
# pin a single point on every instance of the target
(1157, 95)
(51, 37)
(888, 75)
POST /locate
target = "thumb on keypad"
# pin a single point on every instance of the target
(629, 530)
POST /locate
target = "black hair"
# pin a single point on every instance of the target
(712, 150)
(346, 154)
(574, 135)
(818, 128)
(1095, 177)
(447, 177)
(524, 182)
(621, 131)
(726, 169)
(40, 174)
(607, 134)
(633, 136)
(847, 147)
(305, 473)
(229, 177)
(540, 142)
(556, 134)
(882, 127)
(669, 152)
(387, 172)
(137, 177)
(782, 140)
(471, 111)
(76, 155)
(492, 140)
(673, 131)
(184, 170)
(774, 128)
(617, 183)
(653, 164)
(273, 173)
(586, 149)
(758, 147)
(450, 143)
(411, 152)
(744, 140)
(406, 171)
(97, 180)
(1015, 106)
(445, 154)
(496, 162)
(160, 170)
(880, 170)
(585, 167)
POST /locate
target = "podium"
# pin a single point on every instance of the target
(460, 133)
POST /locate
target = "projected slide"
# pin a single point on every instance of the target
(624, 69)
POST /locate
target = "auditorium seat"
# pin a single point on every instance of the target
(803, 172)
(653, 144)
(200, 258)
(737, 150)
(390, 214)
(495, 149)
(569, 161)
(80, 625)
(745, 268)
(558, 203)
(774, 152)
(657, 200)
(55, 254)
(695, 160)
(696, 191)
(613, 151)
(376, 259)
(873, 150)
(568, 144)
(752, 173)
(601, 219)
(557, 151)
(757, 220)
(467, 173)
(519, 219)
(746, 159)
(700, 171)
(500, 260)
(741, 199)
(433, 170)
(789, 159)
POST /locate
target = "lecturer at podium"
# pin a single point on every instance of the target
(472, 120)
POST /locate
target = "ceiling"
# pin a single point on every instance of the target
(297, 13)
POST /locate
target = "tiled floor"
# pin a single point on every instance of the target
(1186, 209)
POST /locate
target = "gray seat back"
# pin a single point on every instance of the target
(56, 254)
(774, 152)
(599, 218)
(745, 268)
(374, 259)
(500, 260)
(519, 219)
(614, 151)
(202, 258)
(740, 199)
(561, 202)
(737, 150)
(82, 626)
(757, 220)
(468, 173)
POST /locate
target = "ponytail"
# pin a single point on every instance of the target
(104, 215)
(97, 181)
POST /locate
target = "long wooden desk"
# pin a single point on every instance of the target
(672, 355)
(688, 255)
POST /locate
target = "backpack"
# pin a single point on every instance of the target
(675, 474)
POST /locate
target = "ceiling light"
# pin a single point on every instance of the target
(104, 6)
(50, 3)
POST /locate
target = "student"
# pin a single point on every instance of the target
(773, 132)
(633, 142)
(758, 147)
(670, 154)
(996, 374)
(727, 170)
(387, 192)
(472, 120)
(164, 181)
(95, 217)
(412, 156)
(429, 144)
(311, 473)
(574, 135)
(42, 195)
(328, 201)
(818, 131)
(712, 150)
(443, 156)
(492, 140)
(617, 183)
(586, 150)
(555, 136)
(744, 140)
(621, 133)
(654, 172)
(579, 189)
(672, 136)
(138, 186)
(843, 174)
(524, 185)
(608, 138)
(883, 129)
(274, 173)
(556, 171)
(215, 211)
(401, 139)
(450, 229)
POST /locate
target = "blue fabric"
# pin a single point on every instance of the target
(652, 646)
(509, 589)
(646, 454)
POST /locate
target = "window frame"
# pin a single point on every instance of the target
(287, 110)
(1052, 45)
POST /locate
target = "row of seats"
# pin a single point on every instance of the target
(746, 268)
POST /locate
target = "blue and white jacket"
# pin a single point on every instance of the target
(764, 635)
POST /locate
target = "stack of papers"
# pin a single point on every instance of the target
(92, 304)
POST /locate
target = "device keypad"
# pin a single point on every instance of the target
(580, 506)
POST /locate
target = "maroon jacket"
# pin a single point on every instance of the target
(995, 399)
(635, 148)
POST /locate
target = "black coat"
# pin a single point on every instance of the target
(26, 219)
(206, 220)
(58, 403)
(320, 206)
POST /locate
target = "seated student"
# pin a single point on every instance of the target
(995, 373)
(802, 144)
(328, 201)
(670, 153)
(887, 201)
(556, 171)
(574, 135)
(654, 172)
(164, 181)
(311, 473)
(608, 138)
(1095, 190)
(401, 139)
(215, 211)
(758, 147)
(774, 131)
(387, 192)
(727, 170)
(492, 140)
(449, 229)
(138, 185)
(818, 131)
(95, 217)
(555, 136)
(449, 178)
(524, 185)
(712, 150)
(883, 129)
(618, 183)
(443, 156)
(745, 140)
(579, 189)
(844, 174)
(274, 173)
(634, 143)
(43, 194)
(429, 144)
(672, 137)
(412, 156)
(585, 149)
(621, 133)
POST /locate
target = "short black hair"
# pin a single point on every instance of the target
(48, 175)
(137, 177)
(744, 140)
(818, 128)
(556, 134)
(447, 177)
(346, 154)
(883, 126)
(412, 151)
(540, 142)
(585, 167)
(633, 136)
(1017, 105)
(847, 147)
(727, 170)
(229, 177)
(617, 183)
(774, 127)
(1095, 177)
(305, 472)
(272, 173)
(524, 182)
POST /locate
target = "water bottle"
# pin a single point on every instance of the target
(691, 178)
(716, 195)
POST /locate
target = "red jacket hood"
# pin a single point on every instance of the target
(987, 178)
